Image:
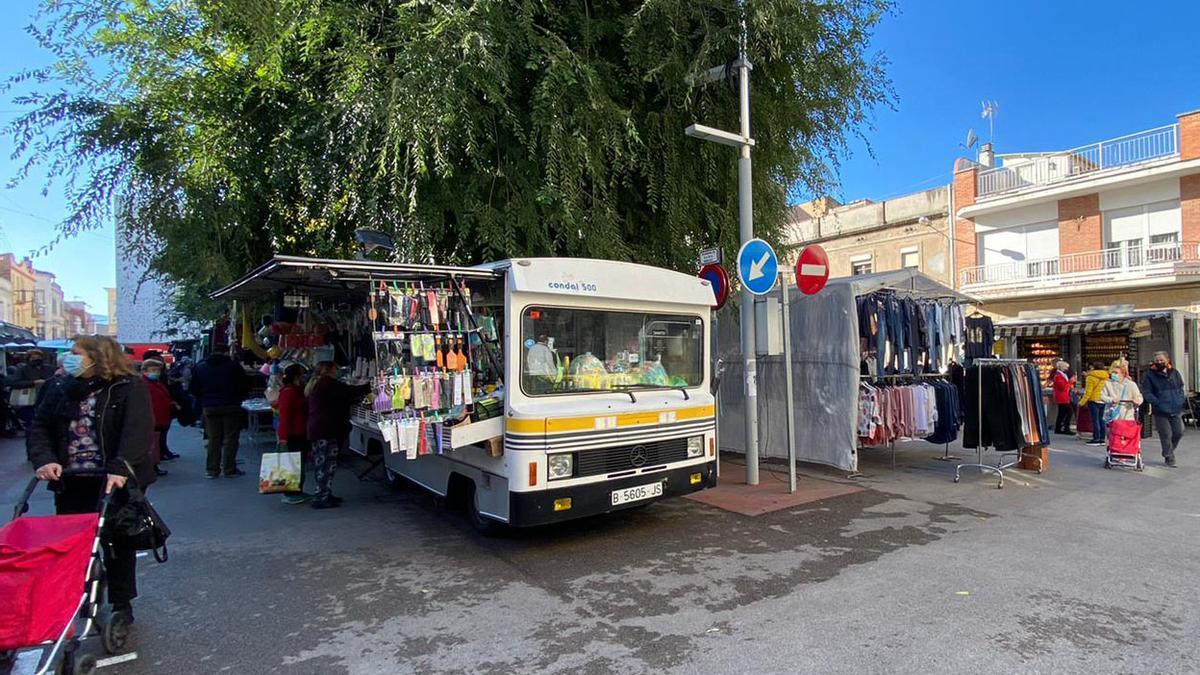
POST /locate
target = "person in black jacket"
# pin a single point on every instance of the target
(1162, 387)
(92, 425)
(31, 375)
(219, 385)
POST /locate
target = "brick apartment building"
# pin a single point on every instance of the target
(1087, 253)
(912, 231)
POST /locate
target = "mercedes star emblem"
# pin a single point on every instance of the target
(637, 456)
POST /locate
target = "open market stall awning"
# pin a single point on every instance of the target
(324, 277)
(907, 281)
(1069, 324)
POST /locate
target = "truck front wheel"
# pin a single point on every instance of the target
(488, 527)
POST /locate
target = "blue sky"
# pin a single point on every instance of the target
(1064, 74)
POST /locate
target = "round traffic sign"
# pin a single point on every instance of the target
(758, 267)
(716, 277)
(812, 269)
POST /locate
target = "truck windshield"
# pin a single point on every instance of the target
(570, 351)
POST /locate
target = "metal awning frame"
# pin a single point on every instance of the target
(1079, 324)
(322, 277)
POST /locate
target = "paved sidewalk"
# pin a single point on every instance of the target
(1077, 570)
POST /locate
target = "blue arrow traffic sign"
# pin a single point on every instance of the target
(757, 266)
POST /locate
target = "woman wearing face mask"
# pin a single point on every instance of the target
(1121, 393)
(94, 423)
(161, 404)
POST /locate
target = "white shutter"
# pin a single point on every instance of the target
(1002, 246)
(1041, 241)
(1164, 218)
(1125, 224)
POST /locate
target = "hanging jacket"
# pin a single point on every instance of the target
(1093, 384)
(1164, 390)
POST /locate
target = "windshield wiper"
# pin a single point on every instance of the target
(681, 390)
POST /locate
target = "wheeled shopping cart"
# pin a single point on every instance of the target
(52, 581)
(1124, 445)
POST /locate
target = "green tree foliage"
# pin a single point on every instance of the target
(234, 129)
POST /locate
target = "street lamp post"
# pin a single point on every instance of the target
(743, 142)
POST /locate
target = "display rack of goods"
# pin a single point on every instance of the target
(1042, 352)
(1105, 347)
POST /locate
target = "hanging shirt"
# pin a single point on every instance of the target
(981, 337)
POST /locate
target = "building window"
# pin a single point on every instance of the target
(1145, 234)
(910, 258)
(860, 265)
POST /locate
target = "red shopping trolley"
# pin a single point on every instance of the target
(1124, 445)
(52, 585)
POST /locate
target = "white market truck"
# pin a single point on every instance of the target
(599, 372)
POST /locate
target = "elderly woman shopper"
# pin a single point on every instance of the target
(94, 424)
(162, 406)
(329, 402)
(292, 429)
(1121, 395)
(1062, 383)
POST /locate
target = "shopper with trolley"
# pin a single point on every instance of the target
(95, 419)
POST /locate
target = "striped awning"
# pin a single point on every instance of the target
(1043, 328)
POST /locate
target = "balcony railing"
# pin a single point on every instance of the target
(1123, 152)
(1128, 263)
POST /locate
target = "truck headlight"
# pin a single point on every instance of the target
(695, 446)
(560, 466)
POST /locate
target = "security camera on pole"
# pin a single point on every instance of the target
(743, 143)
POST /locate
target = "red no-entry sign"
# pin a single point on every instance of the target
(716, 276)
(812, 269)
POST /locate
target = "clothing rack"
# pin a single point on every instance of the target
(1000, 466)
(892, 443)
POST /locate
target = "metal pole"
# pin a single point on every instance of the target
(746, 233)
(789, 400)
(717, 368)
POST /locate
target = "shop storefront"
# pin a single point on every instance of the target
(1102, 337)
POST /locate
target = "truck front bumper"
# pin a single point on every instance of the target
(527, 509)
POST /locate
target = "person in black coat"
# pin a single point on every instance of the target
(1162, 386)
(32, 374)
(220, 385)
(92, 425)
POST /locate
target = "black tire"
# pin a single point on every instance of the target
(482, 524)
(394, 480)
(84, 665)
(115, 633)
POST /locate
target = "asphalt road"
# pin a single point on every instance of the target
(1079, 570)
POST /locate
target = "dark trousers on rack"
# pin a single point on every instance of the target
(1062, 424)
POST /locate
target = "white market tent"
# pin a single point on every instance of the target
(825, 370)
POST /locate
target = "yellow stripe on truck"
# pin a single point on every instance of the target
(552, 425)
(525, 426)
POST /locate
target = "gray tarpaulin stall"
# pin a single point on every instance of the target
(825, 363)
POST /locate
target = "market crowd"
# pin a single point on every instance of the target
(94, 419)
(1108, 393)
